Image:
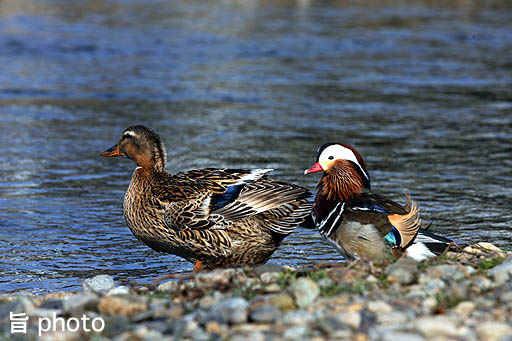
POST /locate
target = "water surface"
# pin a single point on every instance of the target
(423, 91)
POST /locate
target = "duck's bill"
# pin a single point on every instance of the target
(114, 151)
(315, 168)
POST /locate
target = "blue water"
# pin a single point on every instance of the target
(423, 91)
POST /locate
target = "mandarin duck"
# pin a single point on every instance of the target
(362, 224)
(211, 217)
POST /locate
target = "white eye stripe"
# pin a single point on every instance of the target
(337, 151)
(129, 133)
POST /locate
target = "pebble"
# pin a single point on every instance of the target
(334, 326)
(403, 271)
(465, 308)
(436, 327)
(121, 290)
(502, 273)
(434, 300)
(482, 284)
(446, 272)
(305, 291)
(491, 331)
(169, 286)
(98, 284)
(296, 333)
(297, 317)
(434, 286)
(84, 301)
(123, 306)
(232, 310)
(391, 318)
(265, 314)
(269, 277)
(379, 307)
(283, 301)
(483, 248)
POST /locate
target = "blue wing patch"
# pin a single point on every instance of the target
(221, 200)
(393, 237)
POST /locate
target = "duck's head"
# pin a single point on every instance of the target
(344, 171)
(141, 145)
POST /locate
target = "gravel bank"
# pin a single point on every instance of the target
(459, 296)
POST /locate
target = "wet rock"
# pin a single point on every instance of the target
(122, 305)
(305, 291)
(403, 271)
(491, 330)
(436, 327)
(265, 314)
(98, 284)
(502, 273)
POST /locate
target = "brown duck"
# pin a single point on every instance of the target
(211, 217)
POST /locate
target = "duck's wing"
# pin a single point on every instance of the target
(398, 224)
(215, 198)
(281, 205)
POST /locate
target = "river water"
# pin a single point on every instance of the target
(422, 89)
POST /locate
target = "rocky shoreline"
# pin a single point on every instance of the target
(464, 295)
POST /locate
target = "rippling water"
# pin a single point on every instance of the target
(423, 91)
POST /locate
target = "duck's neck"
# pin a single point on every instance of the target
(340, 187)
(152, 163)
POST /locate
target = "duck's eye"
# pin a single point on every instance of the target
(331, 157)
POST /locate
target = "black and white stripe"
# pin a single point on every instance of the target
(332, 221)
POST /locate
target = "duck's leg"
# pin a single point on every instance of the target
(198, 266)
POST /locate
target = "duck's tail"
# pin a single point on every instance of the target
(406, 225)
(428, 245)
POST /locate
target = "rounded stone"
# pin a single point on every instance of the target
(100, 283)
(265, 314)
(493, 330)
(436, 327)
(305, 291)
(379, 306)
(465, 308)
(282, 301)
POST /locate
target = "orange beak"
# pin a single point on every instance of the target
(315, 168)
(114, 151)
